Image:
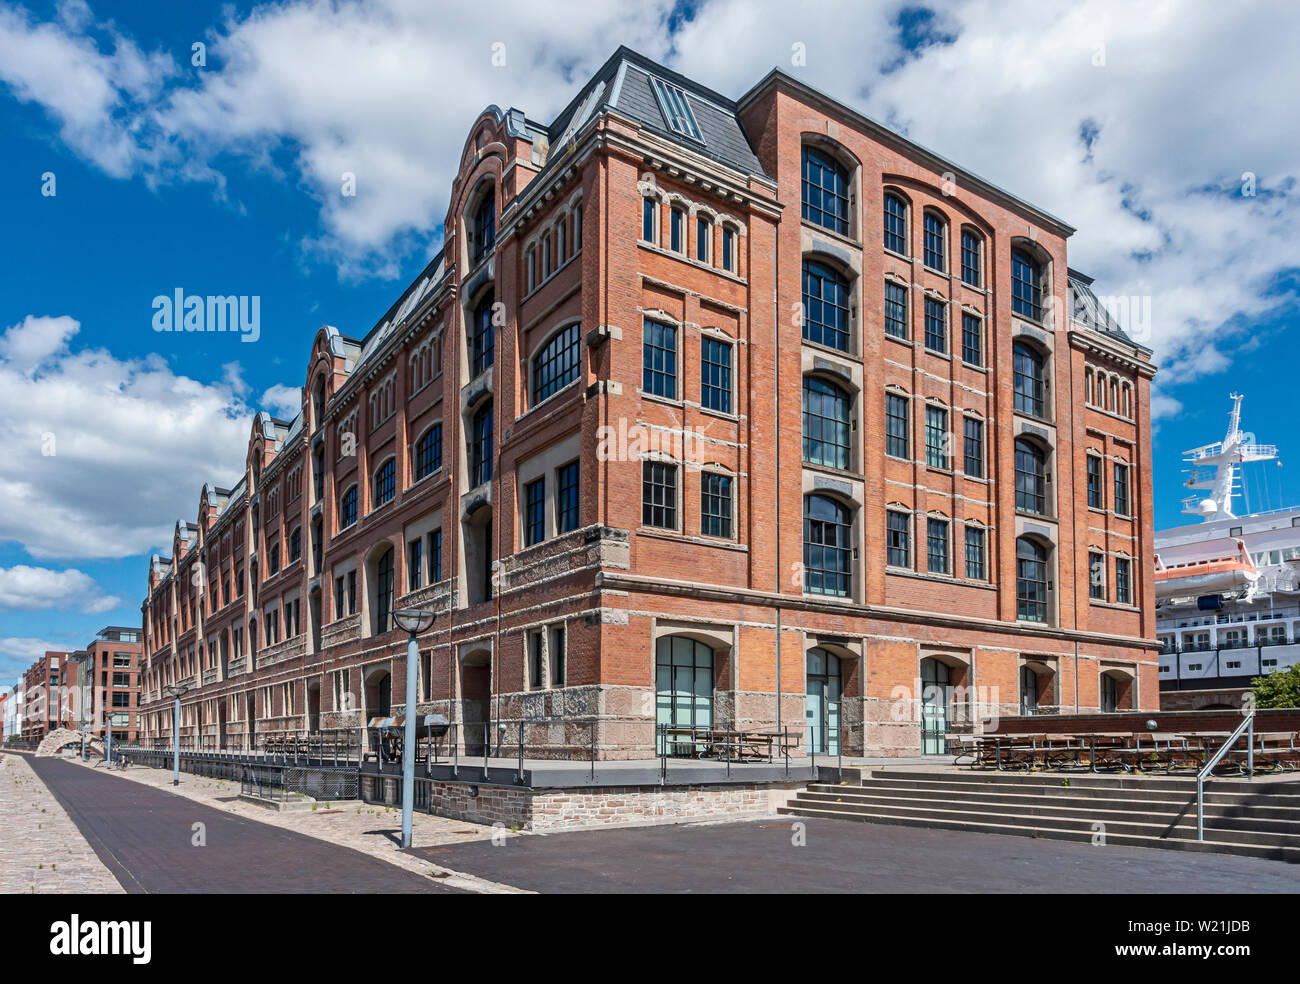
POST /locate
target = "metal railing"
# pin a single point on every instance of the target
(283, 783)
(1248, 726)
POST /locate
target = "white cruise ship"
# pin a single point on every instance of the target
(1227, 586)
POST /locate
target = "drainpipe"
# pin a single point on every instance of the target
(776, 402)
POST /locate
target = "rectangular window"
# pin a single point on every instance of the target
(566, 501)
(1121, 490)
(975, 553)
(435, 556)
(896, 427)
(535, 512)
(936, 333)
(659, 367)
(973, 447)
(715, 505)
(1096, 498)
(677, 231)
(659, 494)
(971, 261)
(1123, 581)
(1096, 576)
(936, 437)
(715, 375)
(535, 660)
(703, 236)
(121, 679)
(414, 564)
(936, 546)
(895, 310)
(899, 550)
(972, 339)
(648, 223)
(559, 658)
(934, 249)
(728, 243)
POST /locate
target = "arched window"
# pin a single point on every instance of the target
(1026, 285)
(972, 258)
(683, 688)
(1031, 477)
(556, 363)
(1087, 386)
(825, 191)
(1031, 580)
(348, 508)
(825, 306)
(385, 482)
(934, 250)
(318, 401)
(482, 336)
(827, 550)
(480, 457)
(384, 592)
(428, 452)
(825, 424)
(295, 544)
(1027, 378)
(484, 235)
(531, 260)
(895, 224)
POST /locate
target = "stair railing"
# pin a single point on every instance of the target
(1248, 726)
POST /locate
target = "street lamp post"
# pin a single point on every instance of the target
(176, 691)
(413, 621)
(108, 740)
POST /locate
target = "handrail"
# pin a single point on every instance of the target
(1248, 725)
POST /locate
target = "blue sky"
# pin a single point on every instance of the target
(224, 179)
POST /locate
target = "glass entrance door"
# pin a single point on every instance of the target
(1028, 691)
(683, 691)
(936, 697)
(822, 702)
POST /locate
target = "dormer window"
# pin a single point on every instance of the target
(676, 110)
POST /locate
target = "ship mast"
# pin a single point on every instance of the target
(1215, 468)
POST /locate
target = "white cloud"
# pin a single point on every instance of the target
(17, 654)
(104, 454)
(284, 402)
(25, 588)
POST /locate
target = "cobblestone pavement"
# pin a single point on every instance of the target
(364, 827)
(41, 849)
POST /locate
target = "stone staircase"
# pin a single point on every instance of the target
(1260, 818)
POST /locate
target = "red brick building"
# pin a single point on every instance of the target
(47, 704)
(108, 679)
(710, 413)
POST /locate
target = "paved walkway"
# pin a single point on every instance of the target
(760, 856)
(147, 839)
(41, 849)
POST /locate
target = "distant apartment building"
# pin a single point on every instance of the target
(8, 706)
(46, 705)
(109, 676)
(710, 413)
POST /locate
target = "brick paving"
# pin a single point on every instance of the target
(41, 849)
(363, 827)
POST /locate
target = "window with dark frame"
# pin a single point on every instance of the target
(895, 224)
(827, 546)
(936, 437)
(1031, 477)
(898, 549)
(715, 505)
(936, 328)
(483, 338)
(659, 361)
(415, 564)
(895, 310)
(976, 568)
(559, 656)
(566, 498)
(1026, 286)
(348, 508)
(973, 447)
(826, 426)
(972, 260)
(1028, 381)
(1031, 580)
(428, 452)
(385, 482)
(825, 191)
(897, 436)
(1096, 494)
(715, 375)
(825, 306)
(557, 363)
(480, 458)
(649, 220)
(535, 511)
(659, 494)
(1096, 576)
(936, 545)
(1121, 490)
(972, 339)
(934, 251)
(1123, 581)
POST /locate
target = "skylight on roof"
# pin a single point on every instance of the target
(676, 110)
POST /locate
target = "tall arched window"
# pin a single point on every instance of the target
(484, 235)
(428, 452)
(482, 336)
(1027, 379)
(556, 363)
(1031, 477)
(683, 689)
(934, 250)
(972, 258)
(1031, 580)
(384, 591)
(348, 508)
(825, 424)
(480, 452)
(825, 306)
(895, 224)
(1026, 285)
(827, 546)
(825, 191)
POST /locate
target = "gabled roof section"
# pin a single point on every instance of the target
(396, 317)
(625, 83)
(1088, 311)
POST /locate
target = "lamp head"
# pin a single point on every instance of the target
(413, 620)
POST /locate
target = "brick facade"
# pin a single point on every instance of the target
(555, 604)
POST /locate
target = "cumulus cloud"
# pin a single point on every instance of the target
(102, 453)
(24, 588)
(284, 402)
(17, 654)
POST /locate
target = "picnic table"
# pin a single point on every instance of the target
(736, 745)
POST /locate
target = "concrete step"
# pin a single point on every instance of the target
(1174, 823)
(1262, 794)
(1080, 832)
(1171, 805)
(1263, 785)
